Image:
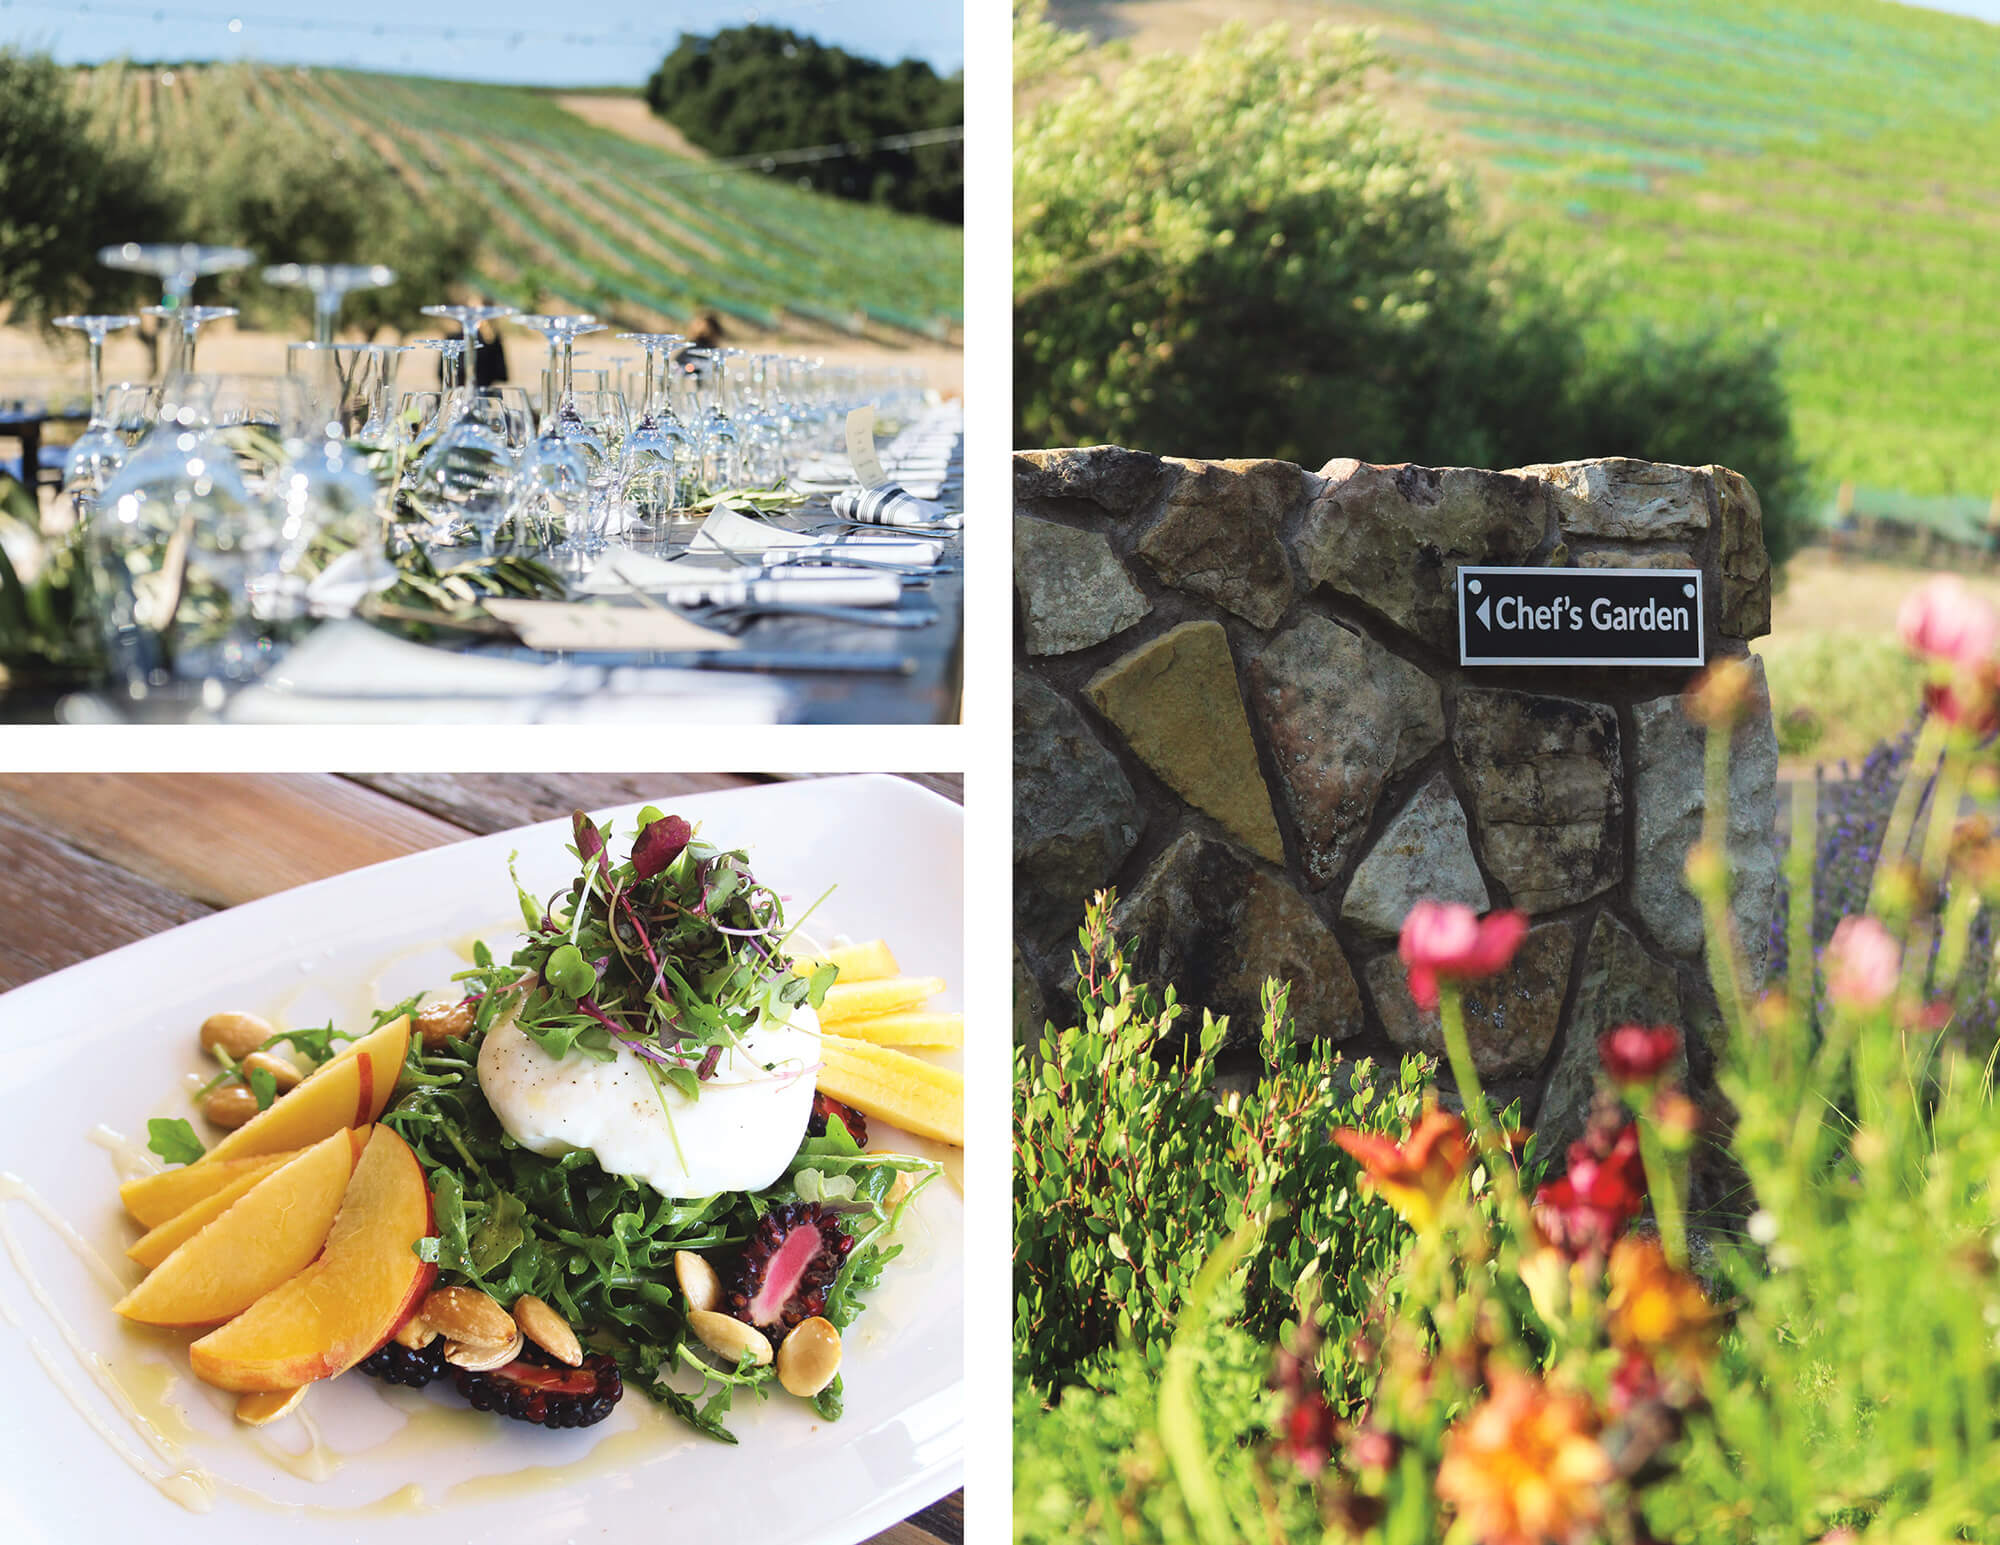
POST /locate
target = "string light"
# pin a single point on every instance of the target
(513, 37)
(768, 160)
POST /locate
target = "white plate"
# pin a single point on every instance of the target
(110, 1041)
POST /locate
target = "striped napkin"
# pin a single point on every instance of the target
(893, 505)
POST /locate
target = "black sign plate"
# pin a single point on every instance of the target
(1580, 617)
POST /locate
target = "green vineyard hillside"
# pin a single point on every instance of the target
(1829, 167)
(586, 217)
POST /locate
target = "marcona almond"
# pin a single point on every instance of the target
(809, 1357)
(548, 1330)
(283, 1073)
(236, 1033)
(467, 1315)
(439, 1022)
(729, 1336)
(415, 1333)
(229, 1105)
(267, 1405)
(474, 1358)
(697, 1279)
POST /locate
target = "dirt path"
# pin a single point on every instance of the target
(631, 117)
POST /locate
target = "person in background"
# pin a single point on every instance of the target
(705, 332)
(489, 363)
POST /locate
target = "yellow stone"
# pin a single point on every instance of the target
(1176, 702)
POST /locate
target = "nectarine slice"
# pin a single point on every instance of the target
(270, 1235)
(350, 1091)
(348, 1302)
(267, 1405)
(155, 1199)
(157, 1244)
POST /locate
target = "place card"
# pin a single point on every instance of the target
(861, 447)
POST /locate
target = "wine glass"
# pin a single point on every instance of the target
(177, 265)
(330, 284)
(191, 320)
(470, 319)
(718, 429)
(469, 473)
(561, 333)
(660, 452)
(354, 385)
(189, 567)
(449, 351)
(100, 450)
(131, 407)
(598, 423)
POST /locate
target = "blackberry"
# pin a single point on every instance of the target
(786, 1268)
(535, 1388)
(394, 1363)
(826, 1108)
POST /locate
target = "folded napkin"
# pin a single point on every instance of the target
(893, 505)
(684, 582)
(725, 531)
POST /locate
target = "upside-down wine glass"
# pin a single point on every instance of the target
(555, 470)
(470, 319)
(329, 284)
(100, 450)
(177, 265)
(660, 451)
(717, 430)
(190, 320)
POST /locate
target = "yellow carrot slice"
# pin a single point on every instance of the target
(895, 1087)
(908, 1029)
(891, 995)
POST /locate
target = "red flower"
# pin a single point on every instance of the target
(1416, 1175)
(1443, 941)
(1637, 1054)
(1970, 702)
(1589, 1207)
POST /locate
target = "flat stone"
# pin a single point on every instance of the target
(1075, 815)
(1746, 567)
(1424, 851)
(1543, 775)
(1176, 702)
(1615, 496)
(1668, 799)
(1074, 592)
(1393, 538)
(1621, 985)
(1220, 535)
(1122, 483)
(1343, 716)
(1510, 1019)
(1643, 558)
(1211, 923)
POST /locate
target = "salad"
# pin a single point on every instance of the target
(633, 1155)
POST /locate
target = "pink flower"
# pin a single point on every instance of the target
(1943, 619)
(1443, 941)
(1637, 1054)
(1863, 961)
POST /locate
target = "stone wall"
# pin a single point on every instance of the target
(1236, 699)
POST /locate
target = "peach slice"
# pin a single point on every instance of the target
(154, 1199)
(348, 1302)
(268, 1236)
(157, 1244)
(350, 1091)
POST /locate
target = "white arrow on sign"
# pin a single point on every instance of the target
(1484, 615)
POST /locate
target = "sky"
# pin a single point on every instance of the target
(1987, 10)
(539, 42)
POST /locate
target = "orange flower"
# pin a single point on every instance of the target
(1658, 1311)
(1417, 1175)
(1525, 1467)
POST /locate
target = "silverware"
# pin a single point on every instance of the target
(732, 616)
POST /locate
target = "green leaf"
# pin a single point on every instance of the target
(263, 1084)
(173, 1140)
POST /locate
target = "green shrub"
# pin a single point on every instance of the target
(1128, 1166)
(1232, 252)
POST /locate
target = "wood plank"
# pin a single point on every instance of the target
(59, 905)
(497, 802)
(944, 1519)
(223, 838)
(910, 1533)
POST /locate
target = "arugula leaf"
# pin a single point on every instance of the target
(173, 1140)
(264, 1084)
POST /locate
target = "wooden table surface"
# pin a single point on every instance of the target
(90, 861)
